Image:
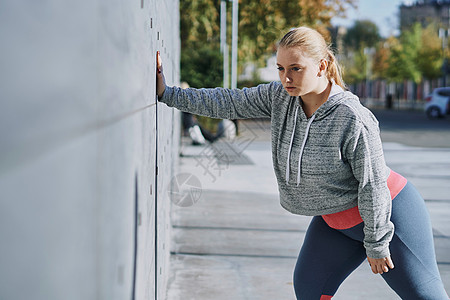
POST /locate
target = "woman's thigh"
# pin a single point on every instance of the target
(416, 275)
(327, 257)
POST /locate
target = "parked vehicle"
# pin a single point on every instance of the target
(437, 104)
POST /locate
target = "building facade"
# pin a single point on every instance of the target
(425, 12)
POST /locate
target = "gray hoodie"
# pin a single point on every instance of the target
(325, 164)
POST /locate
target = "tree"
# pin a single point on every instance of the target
(261, 23)
(404, 55)
(362, 34)
(355, 66)
(202, 67)
(430, 54)
(380, 60)
(359, 42)
(199, 22)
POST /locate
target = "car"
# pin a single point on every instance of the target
(437, 104)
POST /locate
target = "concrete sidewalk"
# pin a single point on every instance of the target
(237, 242)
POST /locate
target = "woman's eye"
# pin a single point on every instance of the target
(280, 69)
(296, 69)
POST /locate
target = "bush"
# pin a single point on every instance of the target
(202, 67)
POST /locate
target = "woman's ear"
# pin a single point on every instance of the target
(323, 65)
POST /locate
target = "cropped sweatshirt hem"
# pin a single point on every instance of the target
(351, 217)
(324, 164)
(329, 210)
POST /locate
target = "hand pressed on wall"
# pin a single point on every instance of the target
(160, 80)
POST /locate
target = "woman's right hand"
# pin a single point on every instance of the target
(160, 80)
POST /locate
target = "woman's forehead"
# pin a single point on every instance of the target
(291, 55)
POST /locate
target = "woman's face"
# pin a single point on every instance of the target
(299, 74)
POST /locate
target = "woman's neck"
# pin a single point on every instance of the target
(312, 101)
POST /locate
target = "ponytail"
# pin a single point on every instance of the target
(334, 71)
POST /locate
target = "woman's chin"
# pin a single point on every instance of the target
(293, 93)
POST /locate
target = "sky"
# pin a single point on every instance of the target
(384, 13)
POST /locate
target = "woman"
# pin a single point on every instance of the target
(329, 163)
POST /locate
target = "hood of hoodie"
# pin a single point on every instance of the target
(336, 97)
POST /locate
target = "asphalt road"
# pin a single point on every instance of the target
(413, 128)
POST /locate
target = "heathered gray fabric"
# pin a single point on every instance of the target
(342, 163)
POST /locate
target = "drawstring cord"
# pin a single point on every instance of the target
(290, 147)
(301, 149)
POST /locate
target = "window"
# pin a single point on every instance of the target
(444, 92)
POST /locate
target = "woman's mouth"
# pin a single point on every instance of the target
(290, 88)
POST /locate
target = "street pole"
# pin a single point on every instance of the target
(223, 41)
(234, 45)
(443, 34)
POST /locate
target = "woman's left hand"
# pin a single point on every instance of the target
(380, 265)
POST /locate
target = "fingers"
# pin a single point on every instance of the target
(390, 263)
(160, 81)
(374, 268)
(381, 265)
(379, 268)
(158, 62)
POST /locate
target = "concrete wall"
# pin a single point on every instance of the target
(83, 210)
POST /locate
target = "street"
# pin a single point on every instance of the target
(412, 128)
(236, 242)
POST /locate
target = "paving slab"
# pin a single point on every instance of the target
(237, 242)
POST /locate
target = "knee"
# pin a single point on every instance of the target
(307, 289)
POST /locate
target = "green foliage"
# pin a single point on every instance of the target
(380, 60)
(415, 55)
(199, 22)
(355, 67)
(430, 55)
(363, 33)
(202, 66)
(361, 37)
(261, 23)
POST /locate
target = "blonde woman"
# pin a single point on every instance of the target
(329, 163)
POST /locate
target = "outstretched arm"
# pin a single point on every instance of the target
(220, 103)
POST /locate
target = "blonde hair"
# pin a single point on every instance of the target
(314, 45)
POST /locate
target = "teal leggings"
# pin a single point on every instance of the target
(329, 255)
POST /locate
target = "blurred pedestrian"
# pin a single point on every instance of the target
(329, 163)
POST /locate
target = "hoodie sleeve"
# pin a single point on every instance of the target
(365, 154)
(223, 103)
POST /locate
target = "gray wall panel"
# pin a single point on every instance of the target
(81, 135)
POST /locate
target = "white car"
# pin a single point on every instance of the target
(437, 103)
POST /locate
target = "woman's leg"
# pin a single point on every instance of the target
(416, 275)
(327, 257)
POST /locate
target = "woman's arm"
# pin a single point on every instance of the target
(365, 155)
(219, 102)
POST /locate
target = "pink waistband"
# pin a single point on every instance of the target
(351, 217)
